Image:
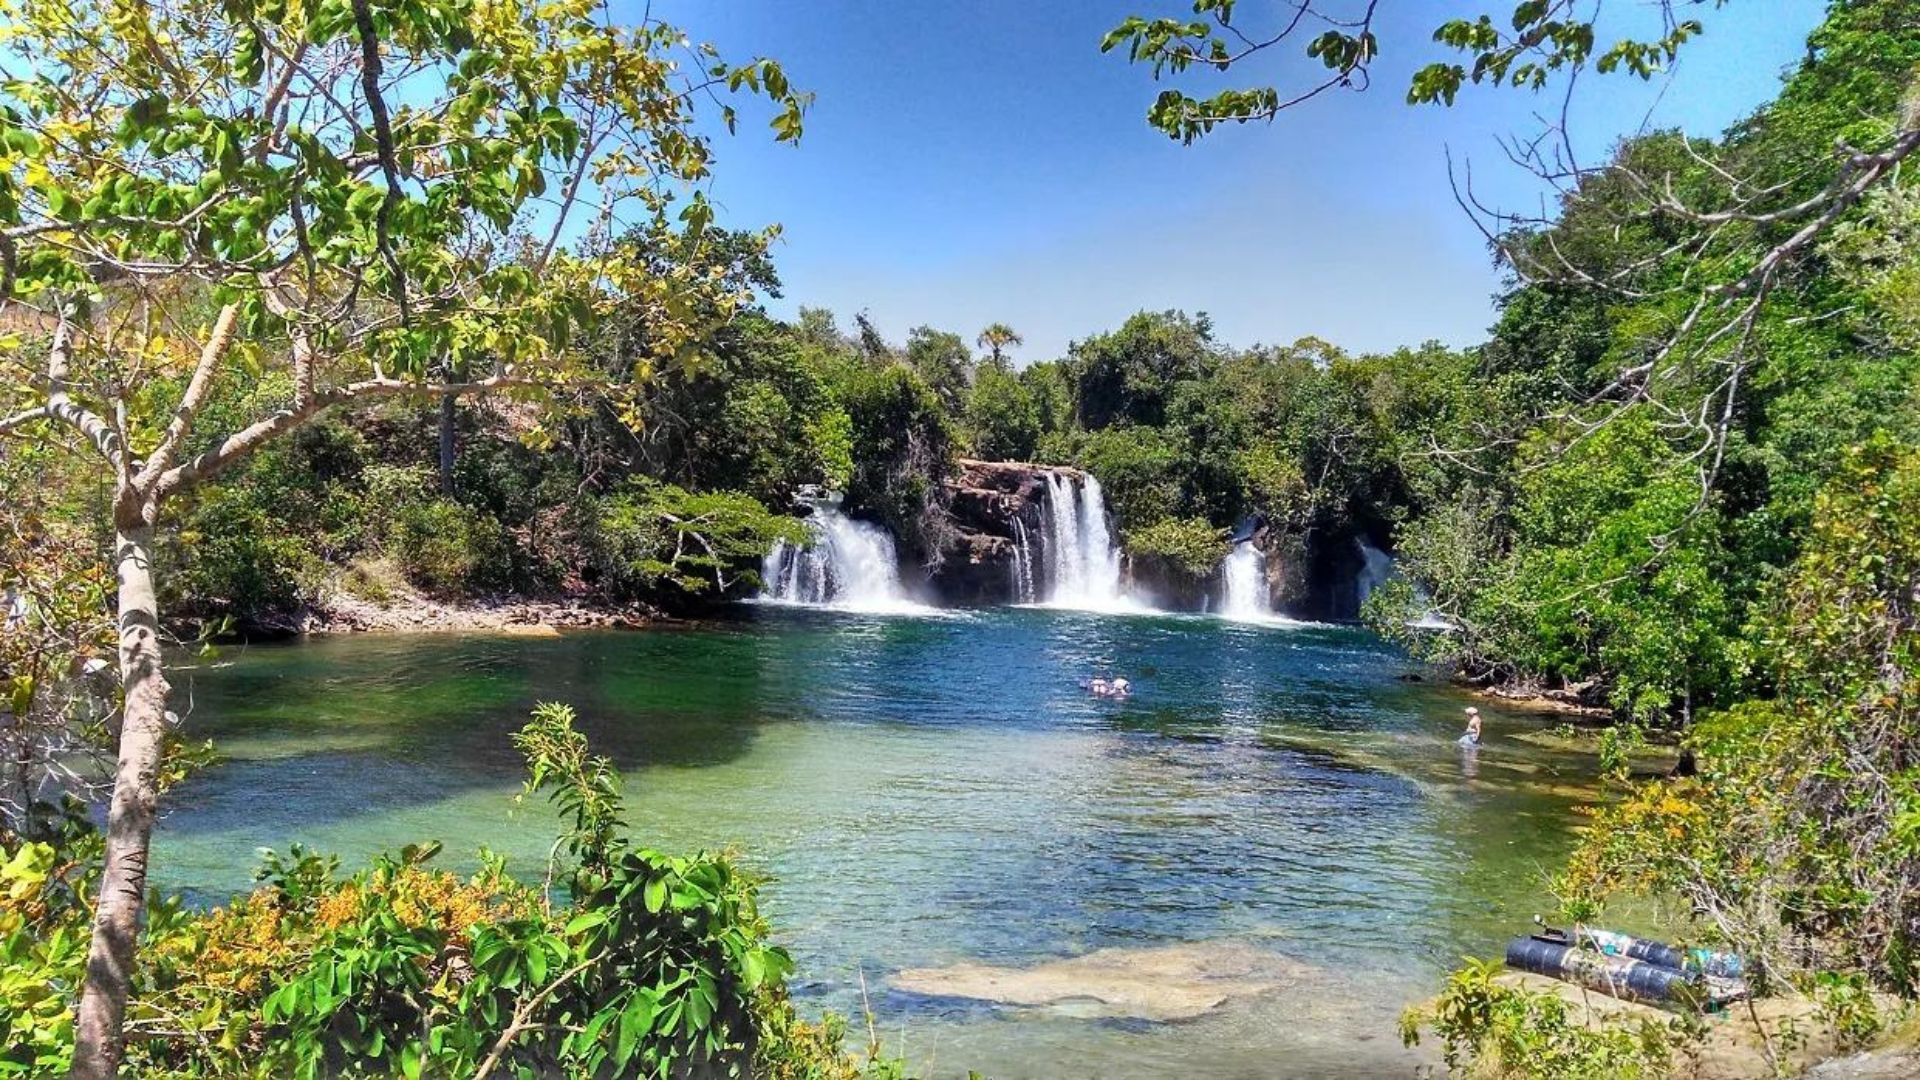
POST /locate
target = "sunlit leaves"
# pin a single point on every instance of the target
(512, 121)
(1539, 45)
(1536, 39)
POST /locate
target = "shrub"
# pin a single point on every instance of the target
(376, 580)
(259, 541)
(1490, 1027)
(448, 548)
(234, 557)
(1191, 544)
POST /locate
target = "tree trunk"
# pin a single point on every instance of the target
(123, 885)
(447, 402)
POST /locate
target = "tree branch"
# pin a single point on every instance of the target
(61, 406)
(238, 445)
(7, 424)
(383, 141)
(195, 396)
(523, 1014)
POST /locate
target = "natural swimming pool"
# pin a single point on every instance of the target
(928, 792)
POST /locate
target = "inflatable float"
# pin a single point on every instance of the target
(1637, 969)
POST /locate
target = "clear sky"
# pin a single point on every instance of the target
(973, 161)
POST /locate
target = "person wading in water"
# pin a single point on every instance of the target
(1471, 740)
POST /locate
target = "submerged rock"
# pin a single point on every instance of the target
(1174, 982)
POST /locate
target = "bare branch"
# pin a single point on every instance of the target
(61, 406)
(7, 424)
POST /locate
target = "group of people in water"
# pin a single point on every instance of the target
(1116, 687)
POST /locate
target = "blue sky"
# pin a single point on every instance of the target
(971, 162)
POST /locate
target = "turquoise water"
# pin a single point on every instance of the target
(928, 791)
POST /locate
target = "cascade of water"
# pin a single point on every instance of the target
(852, 565)
(1376, 567)
(1243, 584)
(1023, 586)
(1062, 519)
(1083, 564)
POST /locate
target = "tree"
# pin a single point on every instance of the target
(943, 361)
(1130, 374)
(364, 195)
(1003, 414)
(996, 338)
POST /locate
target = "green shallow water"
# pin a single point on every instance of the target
(926, 791)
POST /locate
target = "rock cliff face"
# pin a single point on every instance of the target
(1314, 574)
(985, 499)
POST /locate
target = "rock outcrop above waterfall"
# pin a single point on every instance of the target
(989, 504)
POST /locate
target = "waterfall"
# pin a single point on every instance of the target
(1024, 591)
(1082, 561)
(852, 566)
(1376, 567)
(1244, 596)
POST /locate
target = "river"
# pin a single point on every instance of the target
(932, 791)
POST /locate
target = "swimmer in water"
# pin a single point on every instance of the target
(1471, 739)
(1100, 688)
(1121, 687)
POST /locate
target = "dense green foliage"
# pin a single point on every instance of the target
(1601, 535)
(1189, 544)
(1800, 837)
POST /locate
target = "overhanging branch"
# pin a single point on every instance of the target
(237, 446)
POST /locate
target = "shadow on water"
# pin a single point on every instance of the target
(330, 730)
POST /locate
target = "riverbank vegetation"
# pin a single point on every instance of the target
(254, 362)
(1684, 483)
(618, 961)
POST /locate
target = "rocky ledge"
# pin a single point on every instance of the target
(984, 500)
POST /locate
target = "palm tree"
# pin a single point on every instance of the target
(995, 340)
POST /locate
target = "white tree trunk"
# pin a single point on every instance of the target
(123, 886)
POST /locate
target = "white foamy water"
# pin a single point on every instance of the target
(852, 566)
(1376, 567)
(1244, 596)
(1081, 559)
